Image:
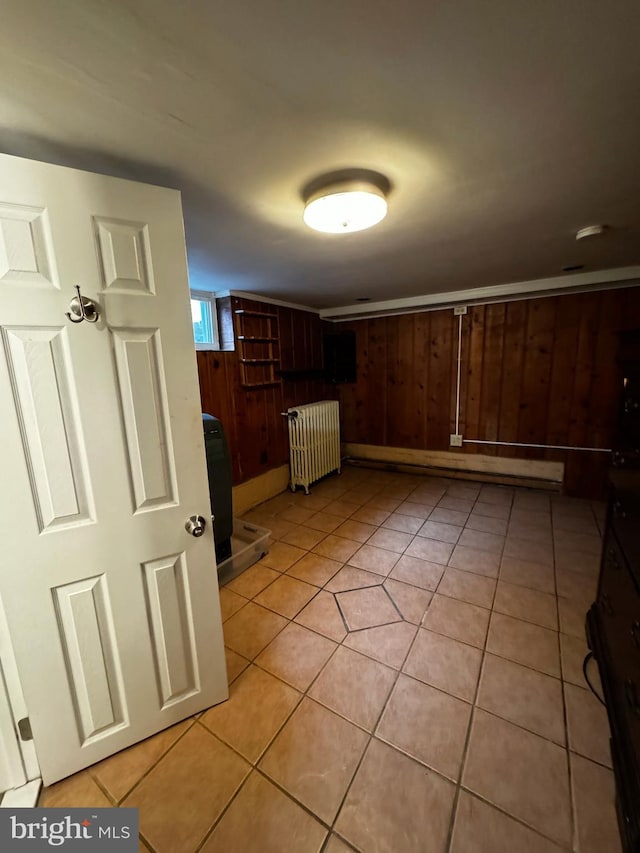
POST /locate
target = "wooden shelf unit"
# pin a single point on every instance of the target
(258, 337)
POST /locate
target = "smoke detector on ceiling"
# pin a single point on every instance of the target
(590, 231)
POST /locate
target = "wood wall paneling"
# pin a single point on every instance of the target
(511, 375)
(252, 418)
(422, 362)
(404, 392)
(536, 371)
(442, 377)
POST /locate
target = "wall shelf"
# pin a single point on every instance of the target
(258, 337)
(246, 313)
(260, 384)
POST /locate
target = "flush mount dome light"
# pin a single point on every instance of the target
(345, 206)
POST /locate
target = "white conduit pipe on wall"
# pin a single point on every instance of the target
(458, 374)
(506, 443)
(540, 446)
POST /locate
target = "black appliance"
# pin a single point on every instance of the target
(219, 473)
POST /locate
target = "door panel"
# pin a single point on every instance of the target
(39, 364)
(112, 607)
(86, 630)
(25, 246)
(166, 588)
(125, 255)
(143, 399)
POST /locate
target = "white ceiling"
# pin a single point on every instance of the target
(503, 126)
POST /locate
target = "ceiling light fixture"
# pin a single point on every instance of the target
(590, 231)
(341, 207)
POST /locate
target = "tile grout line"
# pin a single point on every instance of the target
(398, 672)
(460, 787)
(146, 773)
(475, 700)
(572, 816)
(304, 695)
(379, 718)
(372, 734)
(465, 748)
(254, 765)
(331, 710)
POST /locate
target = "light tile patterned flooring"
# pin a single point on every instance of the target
(405, 669)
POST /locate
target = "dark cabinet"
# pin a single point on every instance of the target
(613, 622)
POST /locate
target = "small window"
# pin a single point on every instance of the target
(205, 321)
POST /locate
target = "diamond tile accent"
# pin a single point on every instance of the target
(410, 600)
(387, 643)
(366, 608)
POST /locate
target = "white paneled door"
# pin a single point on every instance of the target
(112, 605)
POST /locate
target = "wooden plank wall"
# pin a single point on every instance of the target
(539, 371)
(252, 420)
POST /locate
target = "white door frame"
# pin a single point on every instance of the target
(18, 760)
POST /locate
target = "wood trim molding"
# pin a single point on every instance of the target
(268, 300)
(259, 489)
(561, 285)
(467, 463)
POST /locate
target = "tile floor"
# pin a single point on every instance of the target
(405, 669)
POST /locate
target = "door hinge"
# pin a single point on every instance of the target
(24, 729)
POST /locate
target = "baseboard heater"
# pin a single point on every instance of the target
(314, 442)
(489, 469)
